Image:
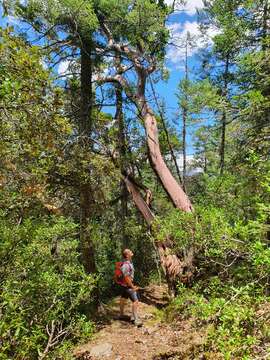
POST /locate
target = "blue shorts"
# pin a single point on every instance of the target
(128, 293)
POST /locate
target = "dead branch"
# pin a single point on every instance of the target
(55, 333)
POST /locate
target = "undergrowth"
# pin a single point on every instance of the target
(236, 320)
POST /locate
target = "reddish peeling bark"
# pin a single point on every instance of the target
(173, 267)
(139, 201)
(135, 56)
(171, 186)
(144, 65)
(171, 264)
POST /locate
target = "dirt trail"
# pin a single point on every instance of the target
(155, 340)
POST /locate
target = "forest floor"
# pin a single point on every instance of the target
(155, 340)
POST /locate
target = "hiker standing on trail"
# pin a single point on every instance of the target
(124, 278)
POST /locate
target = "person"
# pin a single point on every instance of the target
(127, 289)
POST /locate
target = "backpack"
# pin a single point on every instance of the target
(118, 274)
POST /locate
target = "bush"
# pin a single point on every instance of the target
(43, 288)
(234, 327)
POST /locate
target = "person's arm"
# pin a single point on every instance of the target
(130, 283)
(127, 278)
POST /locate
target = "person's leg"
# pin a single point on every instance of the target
(135, 304)
(122, 305)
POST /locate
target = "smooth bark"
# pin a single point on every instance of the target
(137, 96)
(166, 133)
(171, 186)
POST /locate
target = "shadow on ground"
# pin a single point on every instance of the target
(154, 295)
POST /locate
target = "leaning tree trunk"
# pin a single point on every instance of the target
(85, 126)
(173, 267)
(171, 186)
(170, 262)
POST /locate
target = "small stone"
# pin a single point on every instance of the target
(139, 341)
(102, 350)
(146, 331)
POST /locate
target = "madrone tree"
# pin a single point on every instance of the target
(143, 36)
(139, 40)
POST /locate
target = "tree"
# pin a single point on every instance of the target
(33, 128)
(183, 104)
(205, 145)
(41, 279)
(144, 53)
(226, 48)
(77, 23)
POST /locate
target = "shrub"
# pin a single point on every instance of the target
(43, 288)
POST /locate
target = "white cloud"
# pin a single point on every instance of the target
(192, 169)
(67, 67)
(190, 7)
(44, 63)
(179, 32)
(63, 67)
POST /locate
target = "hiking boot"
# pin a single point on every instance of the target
(138, 322)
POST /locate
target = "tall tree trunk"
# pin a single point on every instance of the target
(171, 264)
(122, 148)
(265, 29)
(170, 185)
(224, 119)
(222, 143)
(85, 127)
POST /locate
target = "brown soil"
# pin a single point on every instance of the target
(155, 340)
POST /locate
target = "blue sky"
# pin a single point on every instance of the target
(182, 21)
